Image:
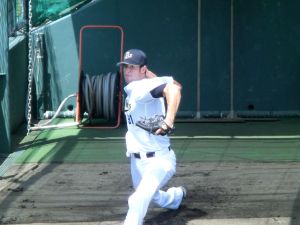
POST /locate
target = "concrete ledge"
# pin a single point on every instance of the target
(15, 172)
(242, 221)
(236, 221)
(78, 223)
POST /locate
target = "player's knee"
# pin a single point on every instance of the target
(138, 200)
(133, 200)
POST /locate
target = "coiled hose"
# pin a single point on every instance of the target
(99, 96)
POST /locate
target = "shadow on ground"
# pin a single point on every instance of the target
(176, 217)
(295, 217)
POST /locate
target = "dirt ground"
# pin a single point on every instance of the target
(235, 173)
(98, 192)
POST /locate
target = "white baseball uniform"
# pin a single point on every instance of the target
(153, 162)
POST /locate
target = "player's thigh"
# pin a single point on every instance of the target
(159, 171)
(135, 172)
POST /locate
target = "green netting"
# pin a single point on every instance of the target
(20, 11)
(45, 10)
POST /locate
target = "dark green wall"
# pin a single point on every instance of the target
(265, 50)
(4, 115)
(5, 141)
(267, 53)
(167, 34)
(266, 72)
(18, 82)
(167, 31)
(215, 56)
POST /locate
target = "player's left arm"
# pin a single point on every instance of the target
(172, 93)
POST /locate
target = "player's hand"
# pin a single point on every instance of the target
(156, 125)
(165, 128)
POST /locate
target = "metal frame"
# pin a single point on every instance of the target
(78, 109)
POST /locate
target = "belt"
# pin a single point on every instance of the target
(147, 154)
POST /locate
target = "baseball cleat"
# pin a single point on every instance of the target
(183, 189)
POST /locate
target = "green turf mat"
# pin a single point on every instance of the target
(256, 141)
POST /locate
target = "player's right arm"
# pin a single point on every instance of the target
(172, 93)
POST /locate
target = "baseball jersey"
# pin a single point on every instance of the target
(140, 103)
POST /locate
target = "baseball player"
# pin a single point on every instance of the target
(153, 161)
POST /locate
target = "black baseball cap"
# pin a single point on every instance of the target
(134, 57)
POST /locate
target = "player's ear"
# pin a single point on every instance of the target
(144, 69)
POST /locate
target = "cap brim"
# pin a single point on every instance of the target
(126, 63)
(122, 63)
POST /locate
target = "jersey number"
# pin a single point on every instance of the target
(130, 120)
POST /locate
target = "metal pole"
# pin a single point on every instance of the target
(198, 115)
(232, 113)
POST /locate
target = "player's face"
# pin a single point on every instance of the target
(132, 73)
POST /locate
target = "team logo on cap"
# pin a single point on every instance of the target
(128, 55)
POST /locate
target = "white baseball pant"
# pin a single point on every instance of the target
(149, 175)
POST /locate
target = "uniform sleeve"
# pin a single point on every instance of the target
(152, 88)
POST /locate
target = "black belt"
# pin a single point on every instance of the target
(148, 154)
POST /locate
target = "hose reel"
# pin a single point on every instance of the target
(99, 96)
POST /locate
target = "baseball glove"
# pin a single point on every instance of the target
(154, 123)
